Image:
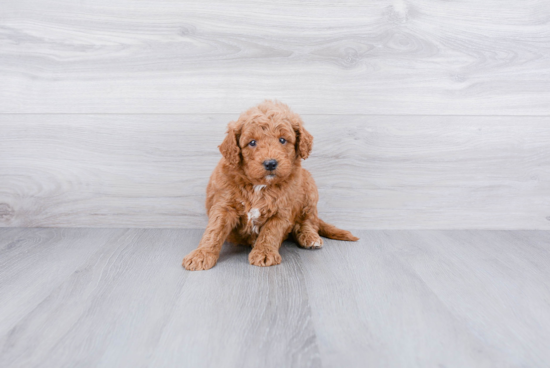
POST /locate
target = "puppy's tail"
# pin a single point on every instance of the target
(332, 232)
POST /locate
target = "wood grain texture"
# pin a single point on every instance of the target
(372, 171)
(241, 316)
(432, 298)
(324, 57)
(120, 298)
(34, 262)
(511, 306)
(109, 311)
(133, 305)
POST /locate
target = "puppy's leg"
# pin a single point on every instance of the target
(307, 235)
(221, 221)
(266, 248)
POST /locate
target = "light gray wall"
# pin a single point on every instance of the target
(426, 114)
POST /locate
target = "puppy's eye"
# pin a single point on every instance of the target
(252, 144)
(282, 140)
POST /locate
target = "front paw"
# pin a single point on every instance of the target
(200, 259)
(264, 257)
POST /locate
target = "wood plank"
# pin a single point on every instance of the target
(372, 171)
(111, 311)
(378, 57)
(395, 298)
(494, 283)
(431, 298)
(132, 304)
(238, 315)
(34, 262)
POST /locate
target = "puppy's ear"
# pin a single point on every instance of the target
(230, 146)
(304, 140)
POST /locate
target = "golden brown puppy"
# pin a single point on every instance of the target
(259, 193)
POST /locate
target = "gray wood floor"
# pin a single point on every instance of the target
(119, 298)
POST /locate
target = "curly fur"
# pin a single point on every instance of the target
(248, 204)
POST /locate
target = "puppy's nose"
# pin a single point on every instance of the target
(270, 164)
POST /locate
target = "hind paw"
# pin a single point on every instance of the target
(310, 241)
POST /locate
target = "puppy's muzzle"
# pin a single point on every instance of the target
(270, 165)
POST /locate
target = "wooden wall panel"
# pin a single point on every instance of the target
(372, 171)
(399, 57)
(426, 114)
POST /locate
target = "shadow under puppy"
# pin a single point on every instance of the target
(259, 193)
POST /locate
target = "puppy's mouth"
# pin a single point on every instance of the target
(270, 177)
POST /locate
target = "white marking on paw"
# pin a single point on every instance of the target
(258, 188)
(317, 244)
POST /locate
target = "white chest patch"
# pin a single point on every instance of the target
(253, 215)
(258, 188)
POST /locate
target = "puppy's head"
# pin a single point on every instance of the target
(266, 143)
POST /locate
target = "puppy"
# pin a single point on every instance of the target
(259, 193)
